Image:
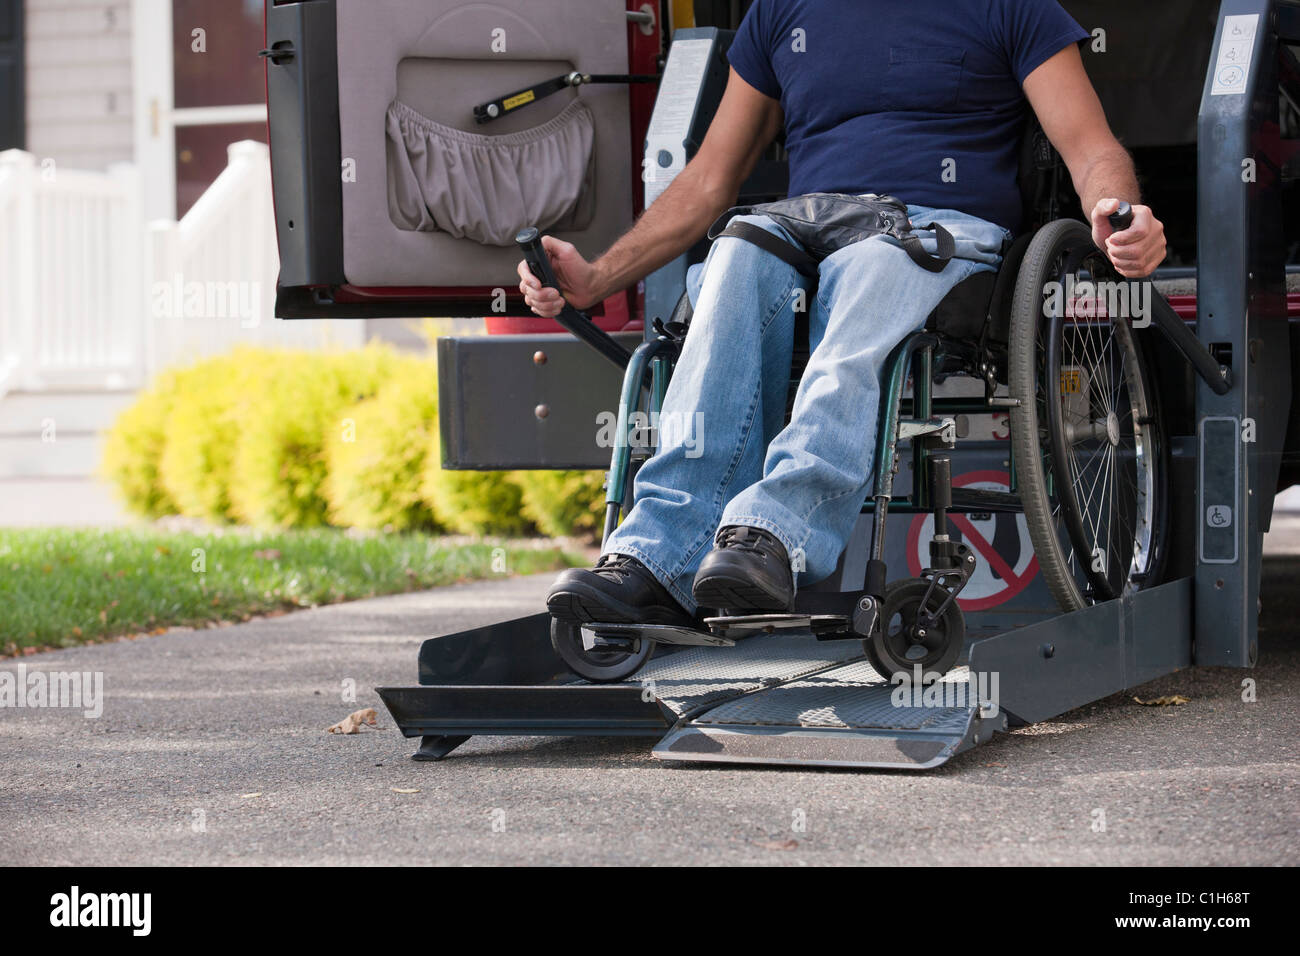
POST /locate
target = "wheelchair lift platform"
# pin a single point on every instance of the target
(788, 698)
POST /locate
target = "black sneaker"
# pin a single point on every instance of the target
(747, 571)
(618, 590)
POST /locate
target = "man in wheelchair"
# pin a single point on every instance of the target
(922, 100)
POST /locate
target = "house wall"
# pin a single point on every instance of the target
(78, 71)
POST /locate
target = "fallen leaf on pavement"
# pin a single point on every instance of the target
(1165, 701)
(352, 723)
(404, 789)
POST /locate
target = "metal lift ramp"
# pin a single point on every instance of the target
(843, 716)
(785, 698)
(790, 698)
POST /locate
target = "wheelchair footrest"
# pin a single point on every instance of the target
(621, 636)
(823, 626)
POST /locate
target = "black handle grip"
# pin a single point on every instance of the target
(529, 240)
(539, 264)
(1122, 217)
(1173, 327)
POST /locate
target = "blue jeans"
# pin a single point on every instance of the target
(724, 456)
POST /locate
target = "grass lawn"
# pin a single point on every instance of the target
(60, 587)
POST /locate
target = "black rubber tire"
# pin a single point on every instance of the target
(885, 648)
(602, 667)
(1056, 249)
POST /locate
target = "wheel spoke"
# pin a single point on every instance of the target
(1100, 446)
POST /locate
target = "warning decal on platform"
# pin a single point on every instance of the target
(1004, 554)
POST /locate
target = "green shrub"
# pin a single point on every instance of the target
(564, 502)
(280, 438)
(374, 464)
(215, 401)
(473, 502)
(279, 466)
(133, 450)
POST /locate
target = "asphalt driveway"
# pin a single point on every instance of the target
(211, 749)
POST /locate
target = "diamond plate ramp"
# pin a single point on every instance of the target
(845, 716)
(693, 680)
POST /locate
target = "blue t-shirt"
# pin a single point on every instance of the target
(920, 99)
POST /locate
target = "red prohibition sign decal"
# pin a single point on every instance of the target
(996, 579)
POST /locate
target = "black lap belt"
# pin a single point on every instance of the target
(804, 264)
(824, 223)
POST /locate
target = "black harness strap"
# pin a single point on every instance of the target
(946, 248)
(803, 263)
(806, 265)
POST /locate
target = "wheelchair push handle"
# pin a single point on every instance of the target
(529, 240)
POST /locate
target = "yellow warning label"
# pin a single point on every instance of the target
(519, 99)
(1071, 381)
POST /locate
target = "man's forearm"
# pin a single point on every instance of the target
(1110, 175)
(673, 223)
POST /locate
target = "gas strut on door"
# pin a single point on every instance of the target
(498, 108)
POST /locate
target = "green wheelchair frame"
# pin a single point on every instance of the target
(927, 604)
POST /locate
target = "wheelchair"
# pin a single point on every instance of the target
(1089, 456)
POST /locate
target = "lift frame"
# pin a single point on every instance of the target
(797, 700)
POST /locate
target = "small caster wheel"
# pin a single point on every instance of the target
(599, 667)
(900, 644)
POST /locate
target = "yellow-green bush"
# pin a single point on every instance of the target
(134, 447)
(473, 502)
(374, 461)
(300, 439)
(214, 402)
(279, 465)
(564, 502)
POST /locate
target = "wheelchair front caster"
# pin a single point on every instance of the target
(599, 665)
(911, 635)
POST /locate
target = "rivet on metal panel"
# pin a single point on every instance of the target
(541, 411)
(539, 357)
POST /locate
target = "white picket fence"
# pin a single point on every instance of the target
(69, 285)
(91, 296)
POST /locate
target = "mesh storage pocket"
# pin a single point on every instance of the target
(486, 188)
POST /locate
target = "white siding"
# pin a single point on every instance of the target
(79, 105)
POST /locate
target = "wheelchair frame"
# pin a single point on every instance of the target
(932, 438)
(926, 422)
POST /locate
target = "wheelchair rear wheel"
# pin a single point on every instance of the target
(1090, 448)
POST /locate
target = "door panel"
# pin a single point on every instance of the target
(439, 59)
